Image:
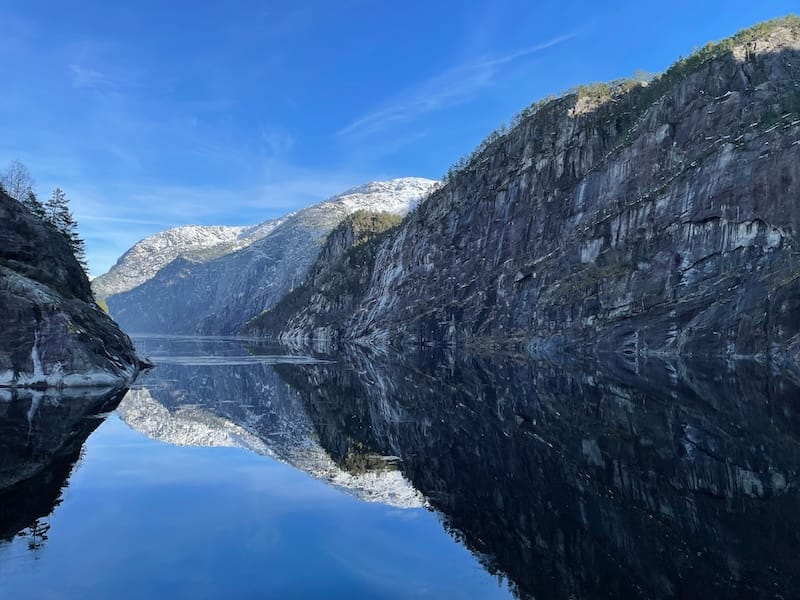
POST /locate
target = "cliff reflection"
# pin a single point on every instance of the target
(616, 480)
(41, 437)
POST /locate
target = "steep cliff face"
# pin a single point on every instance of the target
(660, 218)
(199, 243)
(334, 285)
(218, 296)
(53, 333)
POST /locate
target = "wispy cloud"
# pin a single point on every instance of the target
(454, 86)
(84, 77)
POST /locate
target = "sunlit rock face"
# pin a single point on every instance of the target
(614, 479)
(53, 333)
(194, 294)
(662, 221)
(245, 404)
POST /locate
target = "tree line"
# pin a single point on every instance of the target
(17, 182)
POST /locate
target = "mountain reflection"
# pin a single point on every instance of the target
(41, 436)
(621, 479)
(221, 393)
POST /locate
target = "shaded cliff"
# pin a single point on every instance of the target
(335, 284)
(615, 479)
(647, 218)
(219, 296)
(53, 332)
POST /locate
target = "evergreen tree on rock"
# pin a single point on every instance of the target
(58, 214)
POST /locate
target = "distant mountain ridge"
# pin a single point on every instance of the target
(196, 281)
(195, 242)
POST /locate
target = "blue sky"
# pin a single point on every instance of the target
(151, 114)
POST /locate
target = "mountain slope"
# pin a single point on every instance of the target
(334, 285)
(659, 218)
(218, 296)
(194, 242)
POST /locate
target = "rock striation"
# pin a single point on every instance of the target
(219, 296)
(53, 332)
(647, 218)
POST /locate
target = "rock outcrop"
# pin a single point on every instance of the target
(658, 218)
(218, 296)
(53, 332)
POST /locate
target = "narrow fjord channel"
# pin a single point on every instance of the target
(238, 469)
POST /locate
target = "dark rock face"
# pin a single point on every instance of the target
(617, 479)
(53, 333)
(661, 221)
(334, 286)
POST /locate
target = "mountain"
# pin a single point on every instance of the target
(53, 332)
(194, 242)
(334, 285)
(644, 218)
(217, 296)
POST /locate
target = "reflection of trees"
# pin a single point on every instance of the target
(36, 534)
(618, 479)
(41, 437)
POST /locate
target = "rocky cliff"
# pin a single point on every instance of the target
(334, 285)
(658, 218)
(53, 333)
(218, 296)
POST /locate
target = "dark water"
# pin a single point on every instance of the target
(237, 470)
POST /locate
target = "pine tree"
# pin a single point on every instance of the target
(58, 214)
(31, 202)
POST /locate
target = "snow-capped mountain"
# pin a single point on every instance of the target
(195, 242)
(192, 293)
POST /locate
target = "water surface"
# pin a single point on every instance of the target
(239, 470)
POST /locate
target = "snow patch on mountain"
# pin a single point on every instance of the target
(194, 242)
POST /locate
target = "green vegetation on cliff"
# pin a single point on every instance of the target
(636, 93)
(340, 275)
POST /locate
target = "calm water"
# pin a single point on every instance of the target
(235, 470)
